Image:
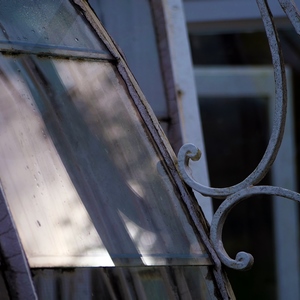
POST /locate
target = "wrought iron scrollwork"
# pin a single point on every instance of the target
(243, 260)
(290, 8)
(235, 194)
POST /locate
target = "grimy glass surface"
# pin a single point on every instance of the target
(48, 26)
(120, 283)
(84, 181)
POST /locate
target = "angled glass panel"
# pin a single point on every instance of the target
(82, 175)
(49, 27)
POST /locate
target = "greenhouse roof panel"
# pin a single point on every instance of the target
(47, 26)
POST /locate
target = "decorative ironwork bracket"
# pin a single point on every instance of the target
(233, 195)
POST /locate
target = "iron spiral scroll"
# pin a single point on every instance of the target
(247, 188)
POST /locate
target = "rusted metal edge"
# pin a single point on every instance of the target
(193, 212)
(14, 266)
(45, 54)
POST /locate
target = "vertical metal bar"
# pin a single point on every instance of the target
(45, 284)
(170, 288)
(125, 287)
(159, 22)
(138, 285)
(287, 248)
(285, 213)
(183, 288)
(108, 284)
(183, 81)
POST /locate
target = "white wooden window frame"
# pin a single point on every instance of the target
(259, 82)
(229, 15)
(222, 10)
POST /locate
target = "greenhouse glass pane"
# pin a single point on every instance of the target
(81, 173)
(46, 26)
(120, 283)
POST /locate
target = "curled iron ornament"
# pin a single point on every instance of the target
(189, 151)
(246, 188)
(243, 260)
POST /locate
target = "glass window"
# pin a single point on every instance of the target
(122, 283)
(84, 181)
(84, 175)
(53, 26)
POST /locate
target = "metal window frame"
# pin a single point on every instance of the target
(193, 213)
(192, 210)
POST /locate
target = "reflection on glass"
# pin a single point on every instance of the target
(51, 26)
(84, 182)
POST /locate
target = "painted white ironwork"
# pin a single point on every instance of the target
(292, 12)
(246, 188)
